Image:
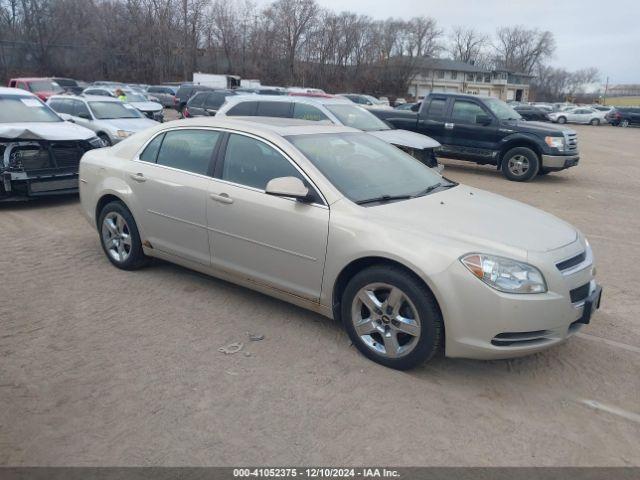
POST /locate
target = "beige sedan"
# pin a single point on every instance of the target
(342, 223)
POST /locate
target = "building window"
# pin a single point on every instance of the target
(470, 77)
(440, 74)
(487, 78)
(454, 75)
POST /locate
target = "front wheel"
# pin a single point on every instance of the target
(520, 164)
(391, 317)
(120, 238)
(562, 120)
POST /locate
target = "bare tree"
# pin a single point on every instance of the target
(522, 50)
(466, 44)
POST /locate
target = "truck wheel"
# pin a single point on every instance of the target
(562, 120)
(520, 164)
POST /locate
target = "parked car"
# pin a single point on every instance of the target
(486, 130)
(207, 103)
(185, 92)
(413, 106)
(151, 110)
(111, 119)
(369, 236)
(624, 116)
(578, 115)
(529, 112)
(69, 85)
(42, 87)
(602, 108)
(166, 94)
(366, 101)
(262, 90)
(336, 110)
(39, 152)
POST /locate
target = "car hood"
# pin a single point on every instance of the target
(536, 127)
(147, 106)
(479, 218)
(129, 124)
(405, 138)
(58, 131)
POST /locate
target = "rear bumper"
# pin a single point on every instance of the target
(559, 162)
(23, 185)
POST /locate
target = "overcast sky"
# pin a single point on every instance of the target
(598, 33)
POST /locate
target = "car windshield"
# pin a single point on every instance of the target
(15, 109)
(502, 110)
(364, 167)
(357, 117)
(113, 110)
(44, 86)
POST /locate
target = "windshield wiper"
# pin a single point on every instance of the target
(384, 198)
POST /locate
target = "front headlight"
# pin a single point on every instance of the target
(504, 274)
(123, 133)
(555, 142)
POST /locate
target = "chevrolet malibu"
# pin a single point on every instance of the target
(342, 223)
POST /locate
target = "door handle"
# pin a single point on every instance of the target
(138, 177)
(449, 126)
(222, 198)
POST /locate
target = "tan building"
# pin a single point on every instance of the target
(440, 75)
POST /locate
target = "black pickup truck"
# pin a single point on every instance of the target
(486, 130)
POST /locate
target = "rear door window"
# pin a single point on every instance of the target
(214, 101)
(437, 108)
(274, 109)
(243, 109)
(188, 150)
(150, 153)
(197, 100)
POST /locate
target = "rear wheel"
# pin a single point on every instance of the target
(624, 123)
(595, 122)
(120, 238)
(391, 317)
(520, 164)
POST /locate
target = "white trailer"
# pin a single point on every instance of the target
(216, 81)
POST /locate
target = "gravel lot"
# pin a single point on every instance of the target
(104, 367)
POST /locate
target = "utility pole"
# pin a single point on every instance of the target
(606, 88)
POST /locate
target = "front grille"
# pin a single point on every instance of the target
(572, 262)
(67, 154)
(580, 293)
(511, 339)
(572, 142)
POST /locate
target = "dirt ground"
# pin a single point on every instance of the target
(104, 367)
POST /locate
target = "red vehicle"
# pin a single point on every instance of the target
(42, 87)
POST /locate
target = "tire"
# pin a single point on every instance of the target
(379, 336)
(562, 120)
(595, 122)
(105, 139)
(624, 123)
(520, 164)
(126, 253)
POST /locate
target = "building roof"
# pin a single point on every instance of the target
(448, 64)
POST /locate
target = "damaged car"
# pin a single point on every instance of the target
(39, 152)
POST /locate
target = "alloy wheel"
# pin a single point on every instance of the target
(116, 237)
(386, 320)
(518, 165)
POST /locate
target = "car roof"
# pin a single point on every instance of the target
(18, 92)
(29, 79)
(264, 125)
(88, 98)
(290, 99)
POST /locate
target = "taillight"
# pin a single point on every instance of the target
(185, 112)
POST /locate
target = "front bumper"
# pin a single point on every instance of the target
(559, 162)
(483, 323)
(24, 185)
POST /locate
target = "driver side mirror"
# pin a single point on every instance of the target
(288, 187)
(483, 120)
